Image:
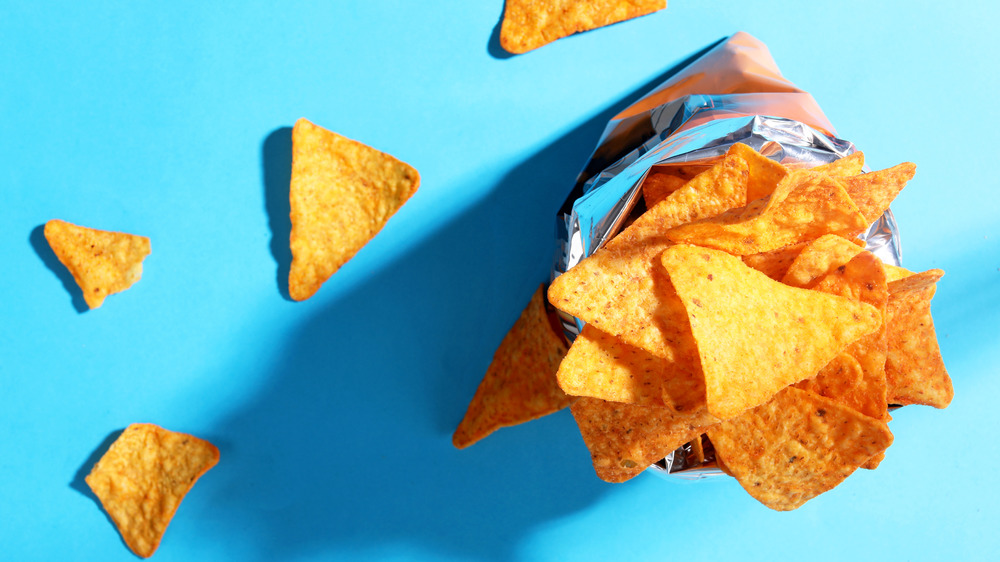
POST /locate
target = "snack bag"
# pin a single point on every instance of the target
(733, 93)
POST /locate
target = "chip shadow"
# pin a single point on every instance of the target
(44, 251)
(276, 163)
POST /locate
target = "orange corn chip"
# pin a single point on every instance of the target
(796, 446)
(839, 377)
(599, 365)
(658, 185)
(895, 273)
(529, 24)
(520, 384)
(850, 165)
(775, 263)
(804, 206)
(874, 191)
(863, 279)
(621, 289)
(765, 174)
(624, 439)
(733, 308)
(143, 477)
(915, 369)
(101, 262)
(342, 194)
(819, 258)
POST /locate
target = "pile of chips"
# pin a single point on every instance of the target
(742, 309)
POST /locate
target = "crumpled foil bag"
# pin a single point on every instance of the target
(732, 93)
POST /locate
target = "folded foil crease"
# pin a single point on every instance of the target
(785, 125)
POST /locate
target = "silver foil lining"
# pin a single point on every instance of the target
(598, 211)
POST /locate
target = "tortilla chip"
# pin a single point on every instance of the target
(101, 262)
(820, 258)
(143, 477)
(712, 192)
(621, 288)
(804, 206)
(755, 335)
(624, 439)
(765, 174)
(895, 273)
(599, 365)
(529, 24)
(658, 185)
(520, 384)
(914, 369)
(863, 279)
(775, 263)
(839, 377)
(850, 165)
(796, 446)
(342, 194)
(874, 191)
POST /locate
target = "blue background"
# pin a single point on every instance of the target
(334, 416)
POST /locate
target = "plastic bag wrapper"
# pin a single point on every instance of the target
(732, 93)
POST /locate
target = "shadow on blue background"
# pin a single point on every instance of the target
(493, 45)
(347, 445)
(276, 155)
(44, 251)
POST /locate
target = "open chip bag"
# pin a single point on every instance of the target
(729, 276)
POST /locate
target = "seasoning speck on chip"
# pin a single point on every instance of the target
(101, 262)
(529, 24)
(342, 193)
(143, 477)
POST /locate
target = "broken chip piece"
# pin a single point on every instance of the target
(529, 24)
(101, 262)
(143, 477)
(342, 193)
(520, 384)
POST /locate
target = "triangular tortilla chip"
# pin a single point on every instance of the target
(342, 194)
(819, 258)
(520, 384)
(914, 369)
(805, 205)
(765, 174)
(863, 279)
(732, 308)
(874, 191)
(624, 439)
(796, 446)
(619, 288)
(529, 24)
(143, 477)
(102, 262)
(775, 263)
(600, 365)
(850, 165)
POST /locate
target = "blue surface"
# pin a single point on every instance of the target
(334, 416)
